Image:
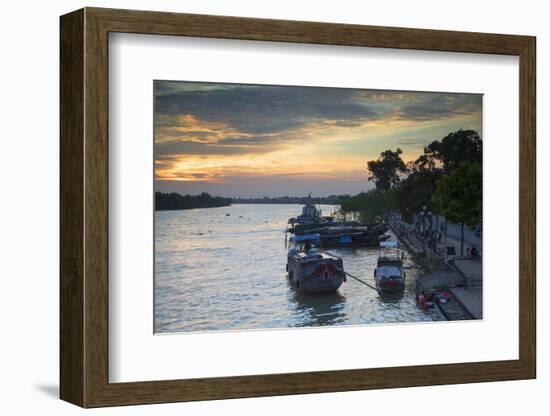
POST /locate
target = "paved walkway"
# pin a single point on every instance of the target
(453, 237)
(469, 266)
(471, 298)
(470, 237)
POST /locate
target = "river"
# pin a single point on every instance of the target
(219, 269)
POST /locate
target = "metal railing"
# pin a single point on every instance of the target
(473, 280)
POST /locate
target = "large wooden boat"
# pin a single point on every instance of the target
(310, 269)
(350, 236)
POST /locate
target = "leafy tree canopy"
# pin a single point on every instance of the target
(455, 148)
(384, 171)
(458, 196)
(415, 192)
(370, 205)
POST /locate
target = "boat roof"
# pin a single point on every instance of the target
(389, 259)
(389, 244)
(305, 237)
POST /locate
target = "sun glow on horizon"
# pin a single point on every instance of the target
(254, 134)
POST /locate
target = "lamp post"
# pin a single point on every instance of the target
(423, 213)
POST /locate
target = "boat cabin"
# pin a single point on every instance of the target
(304, 243)
(389, 273)
(390, 254)
(310, 211)
(312, 270)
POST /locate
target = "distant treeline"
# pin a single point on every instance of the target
(328, 200)
(173, 201)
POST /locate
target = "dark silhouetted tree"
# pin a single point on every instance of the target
(370, 205)
(415, 192)
(384, 171)
(455, 148)
(173, 201)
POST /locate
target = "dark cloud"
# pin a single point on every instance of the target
(436, 106)
(267, 109)
(245, 118)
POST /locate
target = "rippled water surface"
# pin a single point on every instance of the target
(216, 272)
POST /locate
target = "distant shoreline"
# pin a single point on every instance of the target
(301, 200)
(173, 201)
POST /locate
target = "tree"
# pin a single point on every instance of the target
(174, 201)
(384, 171)
(455, 148)
(458, 197)
(370, 205)
(415, 192)
(424, 162)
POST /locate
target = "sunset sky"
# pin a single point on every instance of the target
(256, 140)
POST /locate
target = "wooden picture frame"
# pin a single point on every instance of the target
(84, 207)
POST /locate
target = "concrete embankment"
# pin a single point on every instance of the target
(470, 295)
(471, 300)
(462, 276)
(426, 257)
(413, 246)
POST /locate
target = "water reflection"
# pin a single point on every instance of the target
(216, 272)
(391, 297)
(317, 309)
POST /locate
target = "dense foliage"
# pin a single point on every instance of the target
(415, 192)
(459, 196)
(384, 171)
(455, 148)
(368, 205)
(446, 179)
(173, 201)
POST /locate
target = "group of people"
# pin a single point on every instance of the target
(427, 301)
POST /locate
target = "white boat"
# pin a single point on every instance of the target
(389, 273)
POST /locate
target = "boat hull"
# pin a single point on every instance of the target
(316, 277)
(390, 285)
(321, 286)
(350, 240)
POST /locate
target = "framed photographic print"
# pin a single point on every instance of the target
(255, 207)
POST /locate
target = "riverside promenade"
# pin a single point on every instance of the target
(461, 274)
(450, 237)
(470, 295)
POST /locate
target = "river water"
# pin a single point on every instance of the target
(219, 269)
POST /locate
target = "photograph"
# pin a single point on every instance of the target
(279, 207)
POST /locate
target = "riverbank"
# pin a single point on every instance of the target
(461, 275)
(173, 201)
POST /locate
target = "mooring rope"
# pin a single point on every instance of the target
(359, 280)
(352, 276)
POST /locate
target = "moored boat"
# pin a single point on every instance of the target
(389, 274)
(311, 217)
(312, 270)
(350, 236)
